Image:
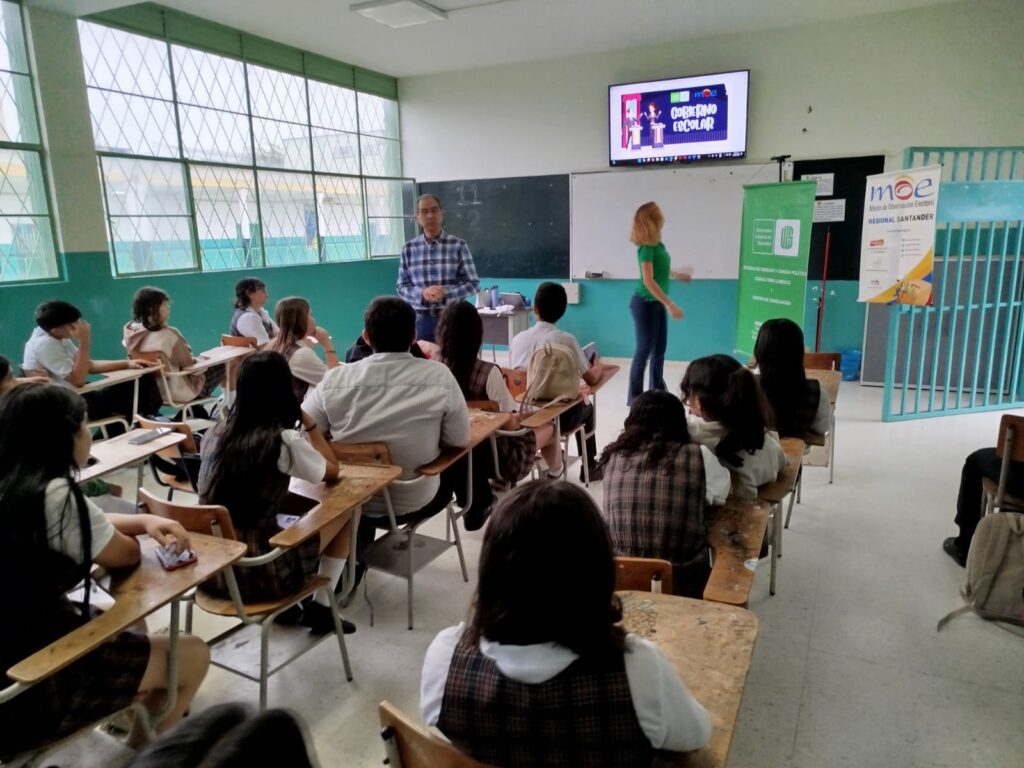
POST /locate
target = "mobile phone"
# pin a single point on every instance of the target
(92, 460)
(172, 560)
(590, 352)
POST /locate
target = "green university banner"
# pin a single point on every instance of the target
(774, 244)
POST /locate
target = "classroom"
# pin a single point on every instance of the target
(847, 668)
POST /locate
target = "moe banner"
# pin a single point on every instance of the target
(898, 242)
(774, 244)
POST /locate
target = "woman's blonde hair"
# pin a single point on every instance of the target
(647, 224)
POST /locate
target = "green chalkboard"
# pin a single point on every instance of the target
(516, 227)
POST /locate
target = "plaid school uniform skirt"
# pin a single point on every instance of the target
(277, 579)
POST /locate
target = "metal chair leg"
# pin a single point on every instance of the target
(776, 536)
(458, 548)
(412, 571)
(340, 632)
(264, 662)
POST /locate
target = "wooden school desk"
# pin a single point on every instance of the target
(226, 355)
(710, 645)
(357, 484)
(119, 452)
(118, 377)
(137, 593)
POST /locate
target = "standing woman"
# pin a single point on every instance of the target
(650, 300)
(249, 317)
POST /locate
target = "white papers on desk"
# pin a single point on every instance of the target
(501, 309)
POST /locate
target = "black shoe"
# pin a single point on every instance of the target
(475, 518)
(596, 474)
(340, 586)
(290, 617)
(954, 550)
(320, 622)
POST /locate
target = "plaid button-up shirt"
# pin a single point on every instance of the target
(444, 261)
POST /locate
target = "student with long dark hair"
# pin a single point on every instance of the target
(796, 402)
(50, 537)
(248, 460)
(729, 414)
(250, 318)
(296, 323)
(657, 484)
(149, 332)
(460, 334)
(544, 642)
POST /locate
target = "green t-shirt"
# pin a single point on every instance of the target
(659, 257)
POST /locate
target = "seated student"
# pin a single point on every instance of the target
(149, 332)
(544, 642)
(296, 324)
(51, 351)
(414, 406)
(50, 537)
(9, 381)
(728, 414)
(460, 333)
(361, 349)
(797, 405)
(657, 483)
(549, 305)
(979, 465)
(250, 318)
(248, 461)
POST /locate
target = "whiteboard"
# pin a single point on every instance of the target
(703, 209)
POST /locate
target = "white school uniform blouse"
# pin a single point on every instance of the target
(760, 467)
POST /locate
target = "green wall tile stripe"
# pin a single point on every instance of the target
(157, 21)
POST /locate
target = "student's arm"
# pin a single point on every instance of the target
(436, 664)
(593, 374)
(466, 281)
(108, 366)
(83, 364)
(667, 712)
(717, 480)
(250, 324)
(123, 549)
(330, 352)
(455, 422)
(647, 275)
(319, 443)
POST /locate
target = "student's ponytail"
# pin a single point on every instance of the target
(743, 416)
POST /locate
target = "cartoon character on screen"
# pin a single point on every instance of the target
(631, 127)
(656, 128)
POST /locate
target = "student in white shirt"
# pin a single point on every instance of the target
(414, 406)
(544, 629)
(50, 536)
(249, 317)
(51, 351)
(294, 341)
(549, 304)
(729, 414)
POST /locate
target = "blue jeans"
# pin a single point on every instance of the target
(425, 326)
(651, 323)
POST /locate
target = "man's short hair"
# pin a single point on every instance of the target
(550, 302)
(424, 196)
(390, 324)
(54, 314)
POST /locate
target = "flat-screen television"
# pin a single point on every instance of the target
(678, 120)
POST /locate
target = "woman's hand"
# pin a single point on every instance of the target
(676, 312)
(322, 336)
(136, 364)
(678, 274)
(167, 533)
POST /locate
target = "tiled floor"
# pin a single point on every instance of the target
(848, 668)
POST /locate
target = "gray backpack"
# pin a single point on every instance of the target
(995, 570)
(553, 374)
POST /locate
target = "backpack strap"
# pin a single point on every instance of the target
(952, 615)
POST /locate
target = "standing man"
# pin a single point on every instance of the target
(436, 268)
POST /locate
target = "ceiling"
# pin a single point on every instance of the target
(481, 33)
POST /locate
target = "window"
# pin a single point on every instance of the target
(210, 162)
(27, 249)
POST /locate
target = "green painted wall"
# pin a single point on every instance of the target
(201, 301)
(710, 322)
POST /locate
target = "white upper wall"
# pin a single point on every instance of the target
(944, 75)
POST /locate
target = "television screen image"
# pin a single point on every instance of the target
(678, 120)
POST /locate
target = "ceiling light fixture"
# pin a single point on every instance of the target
(399, 13)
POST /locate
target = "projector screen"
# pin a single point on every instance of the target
(678, 120)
